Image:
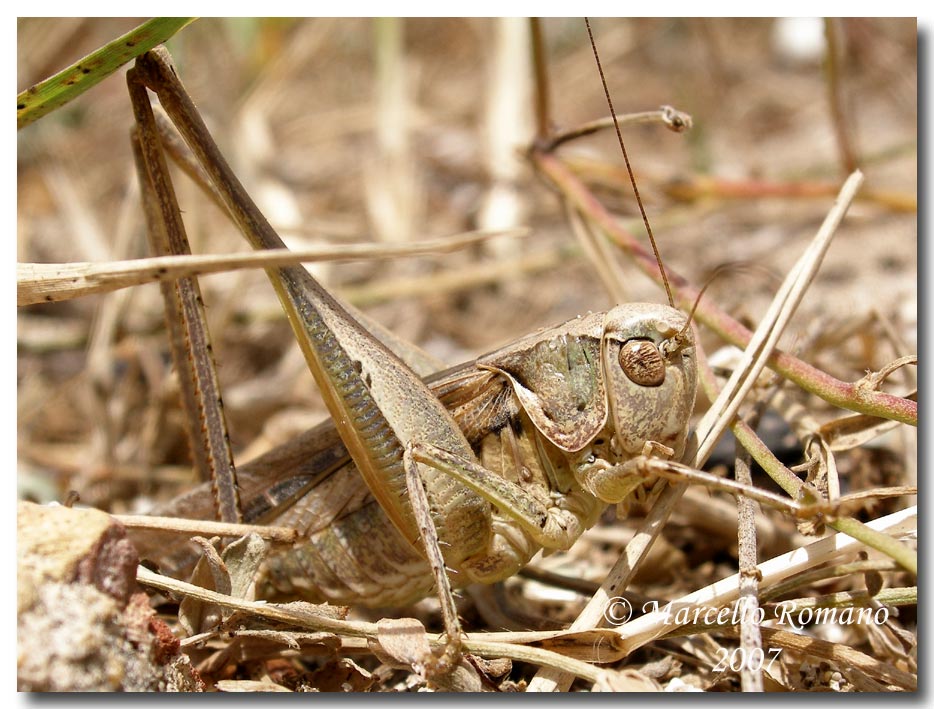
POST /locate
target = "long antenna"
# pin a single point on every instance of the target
(632, 177)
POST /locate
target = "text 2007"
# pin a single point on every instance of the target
(739, 659)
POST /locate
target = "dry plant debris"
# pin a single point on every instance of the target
(302, 109)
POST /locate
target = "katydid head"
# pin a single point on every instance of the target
(629, 372)
(650, 376)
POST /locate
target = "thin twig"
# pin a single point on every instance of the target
(790, 483)
(747, 553)
(304, 615)
(599, 254)
(53, 282)
(673, 119)
(772, 326)
(207, 528)
(486, 272)
(843, 394)
(810, 578)
(837, 112)
(906, 557)
(540, 66)
(839, 653)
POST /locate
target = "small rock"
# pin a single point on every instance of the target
(83, 625)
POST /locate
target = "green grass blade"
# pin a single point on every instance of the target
(54, 92)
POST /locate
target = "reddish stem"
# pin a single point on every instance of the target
(853, 397)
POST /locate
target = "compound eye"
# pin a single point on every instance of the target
(642, 363)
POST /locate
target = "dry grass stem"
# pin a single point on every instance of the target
(284, 535)
(53, 282)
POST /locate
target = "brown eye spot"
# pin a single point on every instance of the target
(642, 363)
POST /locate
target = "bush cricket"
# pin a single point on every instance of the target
(552, 417)
(517, 450)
